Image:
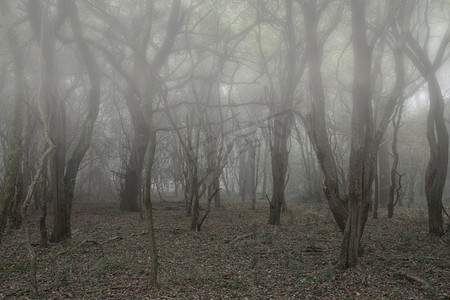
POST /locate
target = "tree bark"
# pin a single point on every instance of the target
(62, 214)
(436, 172)
(87, 127)
(279, 155)
(149, 210)
(252, 174)
(361, 171)
(394, 173)
(129, 194)
(437, 135)
(242, 161)
(384, 175)
(282, 114)
(57, 127)
(314, 119)
(44, 201)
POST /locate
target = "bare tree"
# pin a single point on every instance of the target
(437, 135)
(87, 127)
(314, 117)
(282, 116)
(139, 41)
(366, 133)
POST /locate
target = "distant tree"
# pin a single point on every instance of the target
(147, 60)
(395, 189)
(279, 90)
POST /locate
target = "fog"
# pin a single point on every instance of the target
(208, 103)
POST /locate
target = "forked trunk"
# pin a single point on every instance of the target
(362, 156)
(314, 119)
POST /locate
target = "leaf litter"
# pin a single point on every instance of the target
(236, 255)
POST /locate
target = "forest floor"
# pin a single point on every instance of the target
(237, 255)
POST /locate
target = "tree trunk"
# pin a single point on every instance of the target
(282, 114)
(242, 160)
(436, 173)
(279, 157)
(44, 201)
(377, 195)
(146, 82)
(93, 106)
(62, 218)
(252, 174)
(394, 173)
(384, 174)
(195, 201)
(314, 119)
(130, 192)
(437, 135)
(216, 186)
(265, 171)
(361, 167)
(52, 106)
(149, 210)
(61, 229)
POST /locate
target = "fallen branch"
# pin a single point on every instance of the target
(425, 284)
(88, 241)
(313, 249)
(389, 258)
(114, 238)
(140, 233)
(77, 246)
(241, 237)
